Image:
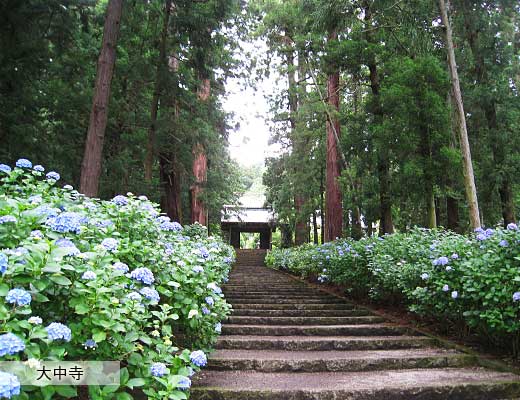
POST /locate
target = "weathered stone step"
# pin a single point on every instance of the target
(319, 300)
(323, 343)
(269, 291)
(426, 384)
(337, 361)
(293, 306)
(320, 330)
(276, 294)
(300, 313)
(247, 320)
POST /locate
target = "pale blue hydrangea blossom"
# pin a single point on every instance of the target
(18, 297)
(198, 358)
(143, 274)
(158, 369)
(58, 331)
(10, 344)
(9, 385)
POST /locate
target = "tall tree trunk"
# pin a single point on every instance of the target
(200, 167)
(429, 194)
(469, 177)
(386, 223)
(171, 183)
(357, 230)
(92, 158)
(315, 227)
(161, 67)
(301, 231)
(322, 205)
(333, 203)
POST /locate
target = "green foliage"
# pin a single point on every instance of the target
(468, 281)
(71, 267)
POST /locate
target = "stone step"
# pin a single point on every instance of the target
(299, 313)
(307, 301)
(280, 294)
(427, 384)
(319, 330)
(337, 361)
(247, 320)
(323, 343)
(270, 291)
(292, 306)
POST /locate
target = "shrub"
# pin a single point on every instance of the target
(85, 279)
(471, 281)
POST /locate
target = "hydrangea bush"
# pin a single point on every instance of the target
(472, 281)
(85, 279)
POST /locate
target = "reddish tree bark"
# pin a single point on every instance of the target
(333, 205)
(200, 168)
(92, 158)
(171, 183)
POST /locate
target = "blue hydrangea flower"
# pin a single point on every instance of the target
(163, 219)
(503, 243)
(67, 244)
(39, 168)
(4, 260)
(448, 268)
(143, 274)
(134, 296)
(35, 199)
(150, 294)
(19, 297)
(516, 296)
(205, 310)
(90, 344)
(10, 344)
(4, 219)
(481, 236)
(120, 200)
(5, 168)
(171, 226)
(67, 222)
(110, 244)
(445, 288)
(424, 276)
(9, 385)
(68, 187)
(454, 294)
(228, 260)
(198, 358)
(512, 226)
(184, 383)
(209, 301)
(197, 269)
(45, 210)
(441, 261)
(119, 266)
(104, 223)
(53, 175)
(213, 286)
(218, 327)
(89, 275)
(23, 163)
(454, 256)
(35, 320)
(204, 253)
(158, 369)
(57, 331)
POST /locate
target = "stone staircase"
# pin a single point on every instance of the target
(250, 257)
(286, 340)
